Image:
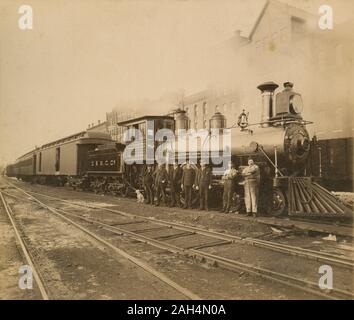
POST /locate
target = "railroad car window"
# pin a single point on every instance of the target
(168, 124)
(57, 159)
(142, 128)
(159, 125)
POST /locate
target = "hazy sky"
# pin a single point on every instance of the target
(84, 56)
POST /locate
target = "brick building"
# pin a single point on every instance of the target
(113, 118)
(200, 107)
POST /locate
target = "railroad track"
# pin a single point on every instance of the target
(160, 276)
(25, 251)
(219, 239)
(271, 245)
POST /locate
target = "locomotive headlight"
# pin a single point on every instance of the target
(296, 105)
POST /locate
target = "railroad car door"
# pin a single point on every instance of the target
(82, 157)
(34, 164)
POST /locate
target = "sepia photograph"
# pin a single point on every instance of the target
(177, 156)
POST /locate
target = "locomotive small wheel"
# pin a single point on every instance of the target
(278, 202)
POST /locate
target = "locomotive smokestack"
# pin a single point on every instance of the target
(268, 111)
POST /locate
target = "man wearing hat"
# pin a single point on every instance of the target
(203, 184)
(161, 177)
(187, 183)
(175, 177)
(148, 180)
(288, 85)
(252, 181)
(229, 181)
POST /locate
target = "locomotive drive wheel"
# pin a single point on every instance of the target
(278, 203)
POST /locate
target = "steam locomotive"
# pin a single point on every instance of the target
(279, 144)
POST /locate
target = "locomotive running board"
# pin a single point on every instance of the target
(308, 198)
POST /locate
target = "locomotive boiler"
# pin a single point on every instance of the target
(281, 135)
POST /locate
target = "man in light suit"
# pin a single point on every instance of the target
(252, 180)
(229, 186)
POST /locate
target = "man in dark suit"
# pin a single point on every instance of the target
(161, 177)
(187, 182)
(148, 180)
(203, 184)
(175, 177)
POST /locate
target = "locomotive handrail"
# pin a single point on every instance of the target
(285, 121)
(259, 147)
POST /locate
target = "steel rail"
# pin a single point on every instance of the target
(25, 251)
(185, 292)
(274, 246)
(290, 281)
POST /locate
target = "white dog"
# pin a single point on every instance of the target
(139, 196)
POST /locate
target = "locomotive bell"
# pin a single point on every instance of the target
(217, 121)
(268, 111)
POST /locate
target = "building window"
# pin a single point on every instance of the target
(204, 124)
(205, 111)
(297, 28)
(57, 159)
(40, 162)
(224, 108)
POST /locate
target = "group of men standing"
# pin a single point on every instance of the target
(184, 180)
(180, 181)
